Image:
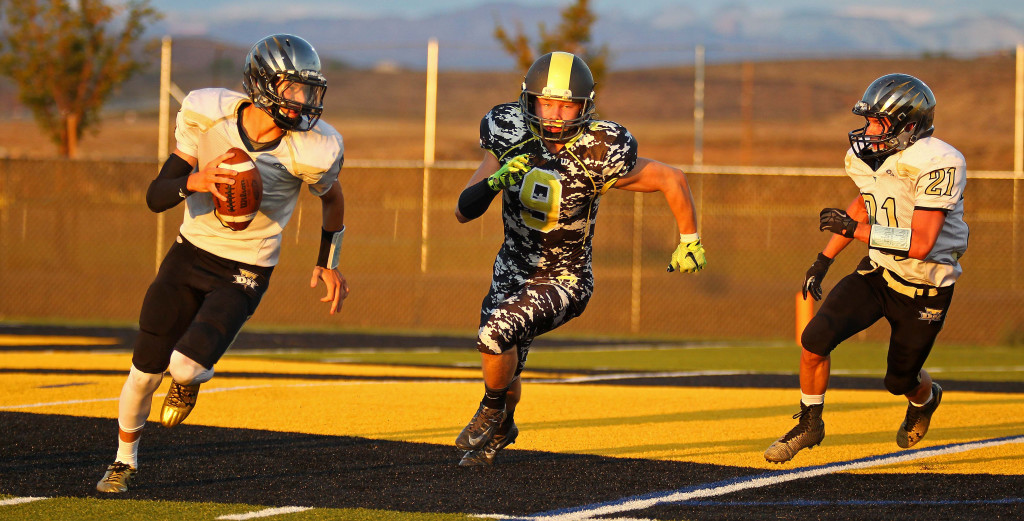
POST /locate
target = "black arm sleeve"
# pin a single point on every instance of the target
(169, 187)
(475, 199)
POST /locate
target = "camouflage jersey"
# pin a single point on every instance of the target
(549, 216)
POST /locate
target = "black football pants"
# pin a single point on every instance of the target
(196, 305)
(858, 301)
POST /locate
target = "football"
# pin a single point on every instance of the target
(244, 196)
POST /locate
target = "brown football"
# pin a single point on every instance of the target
(244, 196)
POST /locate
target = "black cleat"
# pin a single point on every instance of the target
(807, 433)
(481, 428)
(485, 456)
(915, 424)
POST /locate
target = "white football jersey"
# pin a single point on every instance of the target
(207, 126)
(930, 174)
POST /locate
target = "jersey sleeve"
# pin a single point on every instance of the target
(187, 125)
(318, 156)
(501, 128)
(202, 110)
(328, 178)
(941, 185)
(622, 154)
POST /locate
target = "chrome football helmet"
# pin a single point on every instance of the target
(905, 105)
(562, 76)
(282, 76)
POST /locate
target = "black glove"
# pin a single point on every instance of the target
(837, 221)
(812, 281)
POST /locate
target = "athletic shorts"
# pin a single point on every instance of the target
(196, 305)
(513, 317)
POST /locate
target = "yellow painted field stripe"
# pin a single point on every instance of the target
(45, 340)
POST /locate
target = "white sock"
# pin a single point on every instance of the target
(930, 396)
(812, 399)
(128, 451)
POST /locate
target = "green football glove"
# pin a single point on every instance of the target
(510, 173)
(688, 257)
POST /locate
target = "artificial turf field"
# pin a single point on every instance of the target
(288, 435)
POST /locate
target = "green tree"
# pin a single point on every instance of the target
(571, 35)
(66, 58)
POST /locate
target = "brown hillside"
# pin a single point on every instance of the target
(763, 114)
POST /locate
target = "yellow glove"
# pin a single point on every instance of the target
(510, 173)
(689, 255)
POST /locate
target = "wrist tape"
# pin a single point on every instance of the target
(687, 238)
(330, 248)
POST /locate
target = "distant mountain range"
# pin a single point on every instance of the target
(466, 38)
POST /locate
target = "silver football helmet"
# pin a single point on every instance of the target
(282, 76)
(907, 108)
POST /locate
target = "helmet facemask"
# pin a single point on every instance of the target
(543, 127)
(282, 77)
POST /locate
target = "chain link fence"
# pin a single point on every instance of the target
(77, 244)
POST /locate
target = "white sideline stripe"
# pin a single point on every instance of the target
(267, 512)
(764, 480)
(19, 500)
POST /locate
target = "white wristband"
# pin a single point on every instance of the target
(888, 238)
(687, 238)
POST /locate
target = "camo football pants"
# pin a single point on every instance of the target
(515, 318)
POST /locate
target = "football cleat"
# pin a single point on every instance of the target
(915, 424)
(485, 456)
(178, 403)
(807, 433)
(481, 428)
(117, 478)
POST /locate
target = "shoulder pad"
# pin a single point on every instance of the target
(315, 151)
(928, 155)
(205, 107)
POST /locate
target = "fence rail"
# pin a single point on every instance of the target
(82, 249)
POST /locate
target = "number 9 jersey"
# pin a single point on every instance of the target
(549, 216)
(928, 175)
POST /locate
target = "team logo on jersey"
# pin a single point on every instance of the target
(246, 279)
(931, 315)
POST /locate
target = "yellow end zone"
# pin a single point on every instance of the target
(720, 426)
(42, 340)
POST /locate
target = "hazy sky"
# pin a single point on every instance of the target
(176, 9)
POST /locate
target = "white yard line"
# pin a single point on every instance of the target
(19, 500)
(267, 512)
(638, 503)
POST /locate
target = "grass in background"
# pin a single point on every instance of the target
(75, 509)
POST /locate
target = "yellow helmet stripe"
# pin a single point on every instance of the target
(559, 73)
